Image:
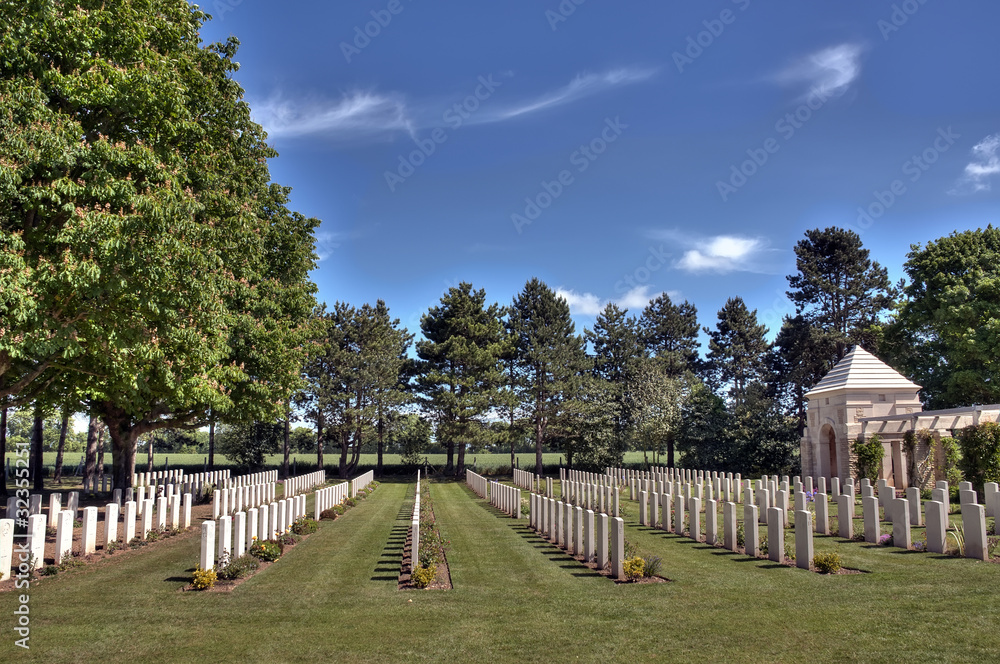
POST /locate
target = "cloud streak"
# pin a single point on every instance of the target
(719, 254)
(984, 165)
(826, 73)
(588, 304)
(367, 115)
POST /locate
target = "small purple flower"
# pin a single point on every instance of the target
(885, 539)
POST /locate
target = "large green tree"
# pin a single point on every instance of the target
(550, 362)
(460, 369)
(737, 348)
(154, 267)
(670, 332)
(946, 333)
(617, 353)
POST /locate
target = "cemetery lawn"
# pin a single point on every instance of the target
(333, 597)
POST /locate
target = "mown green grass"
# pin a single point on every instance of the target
(333, 597)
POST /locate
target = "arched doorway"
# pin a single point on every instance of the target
(828, 452)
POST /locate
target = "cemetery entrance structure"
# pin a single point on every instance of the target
(862, 396)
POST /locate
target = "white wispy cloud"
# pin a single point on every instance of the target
(361, 114)
(588, 304)
(370, 115)
(721, 254)
(984, 165)
(825, 73)
(583, 85)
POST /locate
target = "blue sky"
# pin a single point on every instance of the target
(618, 150)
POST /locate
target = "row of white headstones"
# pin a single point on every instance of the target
(415, 529)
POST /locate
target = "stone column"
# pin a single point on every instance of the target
(900, 523)
(225, 547)
(775, 535)
(588, 536)
(110, 524)
(845, 515)
(937, 525)
(751, 536)
(822, 514)
(695, 526)
(869, 509)
(239, 534)
(974, 525)
(601, 532)
(803, 539)
(6, 547)
(729, 525)
(207, 560)
(618, 548)
(711, 521)
(64, 536)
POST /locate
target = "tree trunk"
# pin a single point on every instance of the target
(460, 467)
(36, 445)
(211, 444)
(3, 451)
(285, 445)
(319, 442)
(450, 466)
(100, 453)
(90, 456)
(63, 426)
(345, 442)
(123, 449)
(149, 452)
(670, 449)
(538, 445)
(381, 438)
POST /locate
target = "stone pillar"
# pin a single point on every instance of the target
(6, 547)
(845, 515)
(54, 509)
(763, 499)
(618, 548)
(654, 509)
(803, 539)
(643, 508)
(974, 525)
(711, 522)
(900, 523)
(665, 512)
(161, 513)
(560, 523)
(822, 514)
(64, 536)
(253, 524)
(186, 513)
(695, 525)
(578, 531)
(729, 525)
(775, 535)
(225, 547)
(128, 519)
(679, 513)
(88, 536)
(239, 534)
(207, 560)
(588, 536)
(937, 525)
(990, 489)
(110, 524)
(601, 549)
(175, 511)
(751, 536)
(869, 509)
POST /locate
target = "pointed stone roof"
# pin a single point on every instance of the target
(859, 371)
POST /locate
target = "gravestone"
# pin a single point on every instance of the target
(6, 547)
(225, 547)
(913, 501)
(901, 523)
(803, 539)
(88, 539)
(36, 539)
(239, 534)
(588, 536)
(711, 522)
(64, 536)
(729, 525)
(601, 533)
(822, 514)
(695, 525)
(974, 526)
(751, 535)
(845, 515)
(110, 524)
(207, 560)
(128, 525)
(618, 548)
(869, 510)
(775, 535)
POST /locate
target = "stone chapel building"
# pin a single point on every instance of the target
(862, 396)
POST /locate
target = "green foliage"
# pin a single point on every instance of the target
(203, 579)
(651, 566)
(247, 444)
(952, 456)
(634, 568)
(737, 348)
(670, 333)
(305, 526)
(410, 437)
(423, 576)
(868, 454)
(740, 534)
(265, 550)
(49, 570)
(237, 568)
(980, 447)
(945, 334)
(631, 550)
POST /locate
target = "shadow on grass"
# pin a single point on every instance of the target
(176, 579)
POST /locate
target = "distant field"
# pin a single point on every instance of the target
(484, 461)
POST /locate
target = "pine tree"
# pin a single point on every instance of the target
(670, 331)
(738, 348)
(550, 362)
(617, 354)
(460, 370)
